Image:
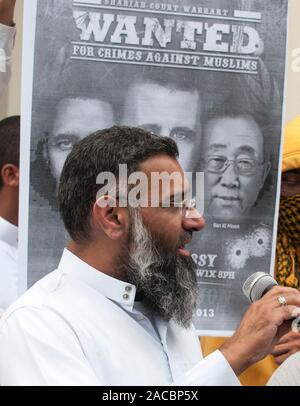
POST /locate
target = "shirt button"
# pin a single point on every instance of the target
(128, 289)
(126, 297)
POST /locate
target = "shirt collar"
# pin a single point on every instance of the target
(114, 289)
(8, 232)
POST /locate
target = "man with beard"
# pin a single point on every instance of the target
(118, 309)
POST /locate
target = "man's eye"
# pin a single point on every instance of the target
(216, 163)
(180, 136)
(153, 128)
(245, 164)
(65, 145)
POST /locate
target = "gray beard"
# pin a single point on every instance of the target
(166, 281)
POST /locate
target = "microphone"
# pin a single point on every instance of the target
(257, 285)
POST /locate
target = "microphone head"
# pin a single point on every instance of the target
(257, 285)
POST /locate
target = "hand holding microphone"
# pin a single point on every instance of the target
(254, 288)
(265, 322)
(260, 283)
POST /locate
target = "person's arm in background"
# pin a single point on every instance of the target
(7, 36)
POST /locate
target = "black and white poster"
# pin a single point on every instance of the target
(209, 74)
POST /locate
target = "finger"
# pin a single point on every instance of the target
(292, 299)
(281, 358)
(290, 336)
(279, 291)
(291, 295)
(281, 318)
(280, 349)
(284, 313)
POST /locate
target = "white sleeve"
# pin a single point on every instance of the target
(34, 353)
(288, 374)
(43, 350)
(7, 38)
(8, 276)
(213, 370)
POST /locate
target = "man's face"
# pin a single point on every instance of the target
(231, 190)
(157, 261)
(75, 120)
(169, 112)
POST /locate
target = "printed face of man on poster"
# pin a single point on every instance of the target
(75, 119)
(72, 118)
(235, 165)
(168, 110)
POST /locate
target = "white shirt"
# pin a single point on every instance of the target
(7, 38)
(8, 264)
(78, 326)
(288, 374)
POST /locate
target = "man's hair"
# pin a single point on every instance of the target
(102, 151)
(9, 142)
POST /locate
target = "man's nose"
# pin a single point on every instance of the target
(193, 220)
(230, 178)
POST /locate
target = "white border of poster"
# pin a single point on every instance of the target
(26, 111)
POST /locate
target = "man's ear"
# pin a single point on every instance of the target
(10, 175)
(110, 217)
